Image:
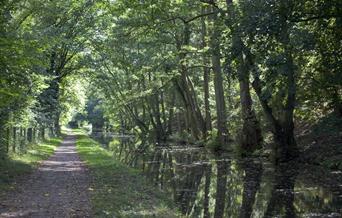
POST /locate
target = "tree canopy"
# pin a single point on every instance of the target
(211, 71)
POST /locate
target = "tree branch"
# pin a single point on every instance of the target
(318, 17)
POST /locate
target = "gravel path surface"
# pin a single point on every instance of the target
(58, 188)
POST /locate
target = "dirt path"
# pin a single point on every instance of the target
(59, 188)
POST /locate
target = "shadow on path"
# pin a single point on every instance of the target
(58, 188)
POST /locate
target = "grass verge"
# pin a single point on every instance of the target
(117, 190)
(18, 165)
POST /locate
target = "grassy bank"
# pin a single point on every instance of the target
(119, 191)
(18, 165)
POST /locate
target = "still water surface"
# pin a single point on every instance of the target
(204, 184)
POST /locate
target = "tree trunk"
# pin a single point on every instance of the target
(54, 92)
(42, 133)
(3, 150)
(284, 137)
(30, 135)
(337, 102)
(171, 114)
(206, 75)
(250, 137)
(57, 125)
(218, 83)
(34, 134)
(14, 139)
(185, 88)
(22, 138)
(156, 118)
(289, 148)
(52, 132)
(3, 142)
(8, 139)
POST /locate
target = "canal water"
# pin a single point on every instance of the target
(204, 184)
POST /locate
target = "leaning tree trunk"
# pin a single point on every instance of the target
(156, 118)
(186, 90)
(286, 147)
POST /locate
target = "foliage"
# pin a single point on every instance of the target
(169, 67)
(41, 45)
(72, 98)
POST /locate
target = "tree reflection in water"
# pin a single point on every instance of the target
(251, 184)
(221, 187)
(282, 197)
(206, 185)
(206, 213)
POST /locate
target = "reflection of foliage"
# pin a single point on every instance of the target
(183, 172)
(314, 199)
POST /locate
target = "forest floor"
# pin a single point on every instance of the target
(59, 187)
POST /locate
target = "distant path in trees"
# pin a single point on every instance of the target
(58, 188)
